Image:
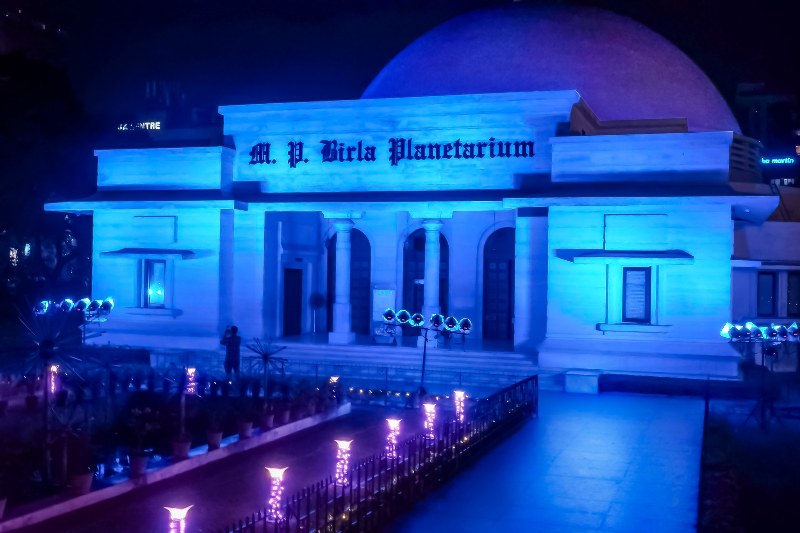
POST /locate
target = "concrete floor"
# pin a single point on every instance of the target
(611, 462)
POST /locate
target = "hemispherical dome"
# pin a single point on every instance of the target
(622, 69)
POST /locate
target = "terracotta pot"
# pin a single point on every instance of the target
(214, 439)
(138, 465)
(80, 483)
(245, 429)
(267, 421)
(180, 448)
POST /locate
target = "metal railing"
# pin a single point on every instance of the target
(381, 487)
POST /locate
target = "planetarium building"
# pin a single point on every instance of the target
(566, 178)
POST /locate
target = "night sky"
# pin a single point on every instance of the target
(248, 51)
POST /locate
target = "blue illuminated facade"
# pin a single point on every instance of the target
(610, 245)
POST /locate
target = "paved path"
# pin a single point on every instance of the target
(232, 488)
(609, 462)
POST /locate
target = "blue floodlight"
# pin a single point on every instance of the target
(94, 306)
(726, 330)
(66, 305)
(41, 308)
(436, 320)
(465, 325)
(417, 320)
(793, 332)
(82, 304)
(107, 305)
(450, 323)
(403, 316)
(389, 315)
(779, 332)
(753, 331)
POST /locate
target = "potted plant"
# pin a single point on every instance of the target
(246, 415)
(213, 414)
(267, 415)
(143, 421)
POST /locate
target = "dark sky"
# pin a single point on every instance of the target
(245, 51)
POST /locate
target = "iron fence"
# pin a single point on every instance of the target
(382, 487)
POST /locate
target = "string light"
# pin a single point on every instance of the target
(51, 378)
(430, 419)
(342, 461)
(391, 437)
(459, 401)
(274, 512)
(191, 380)
(177, 519)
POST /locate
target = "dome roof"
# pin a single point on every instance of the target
(622, 69)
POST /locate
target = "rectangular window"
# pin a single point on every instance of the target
(766, 294)
(636, 294)
(155, 281)
(793, 296)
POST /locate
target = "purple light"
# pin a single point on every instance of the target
(459, 401)
(191, 380)
(391, 437)
(51, 378)
(342, 461)
(430, 419)
(274, 512)
(177, 519)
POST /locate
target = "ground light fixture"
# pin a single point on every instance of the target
(391, 437)
(430, 419)
(177, 519)
(274, 512)
(342, 461)
(458, 399)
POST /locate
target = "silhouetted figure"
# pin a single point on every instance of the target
(232, 342)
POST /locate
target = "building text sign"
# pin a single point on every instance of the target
(396, 150)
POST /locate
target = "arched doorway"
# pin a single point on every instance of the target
(360, 276)
(498, 285)
(414, 272)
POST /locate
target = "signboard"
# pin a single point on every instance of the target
(381, 300)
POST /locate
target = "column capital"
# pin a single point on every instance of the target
(343, 225)
(432, 224)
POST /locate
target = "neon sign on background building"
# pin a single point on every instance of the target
(777, 160)
(133, 126)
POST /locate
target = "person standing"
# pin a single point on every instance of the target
(232, 342)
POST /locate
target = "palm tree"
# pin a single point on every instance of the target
(267, 351)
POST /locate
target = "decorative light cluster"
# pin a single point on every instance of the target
(459, 396)
(85, 305)
(751, 332)
(342, 461)
(391, 437)
(274, 512)
(51, 378)
(333, 385)
(430, 419)
(13, 256)
(191, 380)
(436, 321)
(177, 519)
(381, 392)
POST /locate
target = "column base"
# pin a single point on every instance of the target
(336, 337)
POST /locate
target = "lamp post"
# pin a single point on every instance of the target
(769, 338)
(274, 512)
(177, 518)
(342, 461)
(392, 322)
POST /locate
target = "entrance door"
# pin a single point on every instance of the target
(360, 281)
(498, 285)
(292, 301)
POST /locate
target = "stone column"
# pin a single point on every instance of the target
(342, 308)
(430, 303)
(530, 278)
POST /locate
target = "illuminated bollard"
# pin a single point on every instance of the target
(430, 419)
(459, 401)
(177, 519)
(274, 513)
(51, 378)
(342, 461)
(333, 387)
(391, 437)
(191, 380)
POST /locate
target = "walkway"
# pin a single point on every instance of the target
(232, 488)
(611, 462)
